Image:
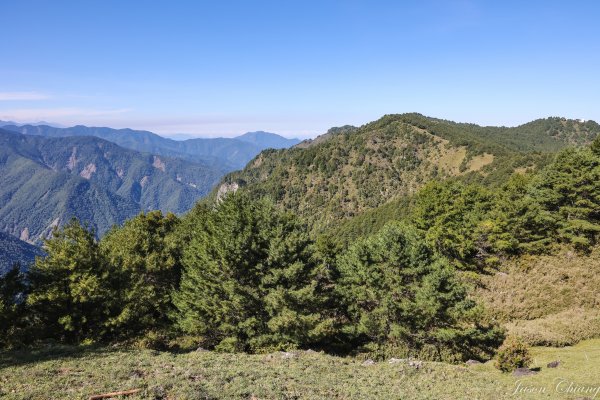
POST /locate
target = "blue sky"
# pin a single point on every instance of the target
(222, 68)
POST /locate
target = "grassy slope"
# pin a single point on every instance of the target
(71, 373)
(547, 299)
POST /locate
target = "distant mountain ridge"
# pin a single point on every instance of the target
(13, 250)
(6, 123)
(44, 181)
(267, 140)
(228, 154)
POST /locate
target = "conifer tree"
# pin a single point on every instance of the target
(145, 260)
(12, 307)
(249, 282)
(71, 294)
(399, 294)
(448, 214)
(570, 189)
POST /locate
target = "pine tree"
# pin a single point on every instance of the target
(570, 189)
(249, 282)
(12, 307)
(399, 294)
(517, 223)
(448, 213)
(70, 293)
(145, 260)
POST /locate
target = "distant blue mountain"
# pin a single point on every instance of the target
(267, 140)
(14, 251)
(226, 154)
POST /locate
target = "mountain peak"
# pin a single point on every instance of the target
(267, 139)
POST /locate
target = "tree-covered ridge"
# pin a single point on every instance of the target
(542, 135)
(478, 226)
(350, 170)
(46, 181)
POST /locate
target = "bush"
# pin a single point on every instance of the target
(513, 354)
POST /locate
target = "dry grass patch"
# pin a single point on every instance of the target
(550, 300)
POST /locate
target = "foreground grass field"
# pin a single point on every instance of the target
(77, 373)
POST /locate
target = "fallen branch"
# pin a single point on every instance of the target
(113, 394)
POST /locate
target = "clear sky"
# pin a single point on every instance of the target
(221, 68)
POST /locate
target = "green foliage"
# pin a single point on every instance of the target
(400, 294)
(249, 281)
(12, 307)
(145, 264)
(513, 354)
(595, 146)
(449, 214)
(517, 223)
(70, 293)
(570, 189)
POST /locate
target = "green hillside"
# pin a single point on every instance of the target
(350, 170)
(46, 181)
(469, 269)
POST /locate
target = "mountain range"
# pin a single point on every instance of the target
(104, 176)
(44, 181)
(227, 154)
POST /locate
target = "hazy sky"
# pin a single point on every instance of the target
(221, 68)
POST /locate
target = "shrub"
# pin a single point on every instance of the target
(513, 354)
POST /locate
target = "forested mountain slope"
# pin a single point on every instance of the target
(13, 250)
(46, 181)
(350, 170)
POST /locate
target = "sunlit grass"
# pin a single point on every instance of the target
(76, 373)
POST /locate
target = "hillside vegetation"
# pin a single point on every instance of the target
(547, 300)
(442, 274)
(350, 170)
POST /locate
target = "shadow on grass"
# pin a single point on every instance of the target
(19, 357)
(57, 351)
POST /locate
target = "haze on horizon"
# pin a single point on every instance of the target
(225, 68)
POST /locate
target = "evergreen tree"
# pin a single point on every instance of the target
(145, 260)
(570, 189)
(399, 294)
(249, 282)
(517, 222)
(448, 213)
(12, 307)
(70, 291)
